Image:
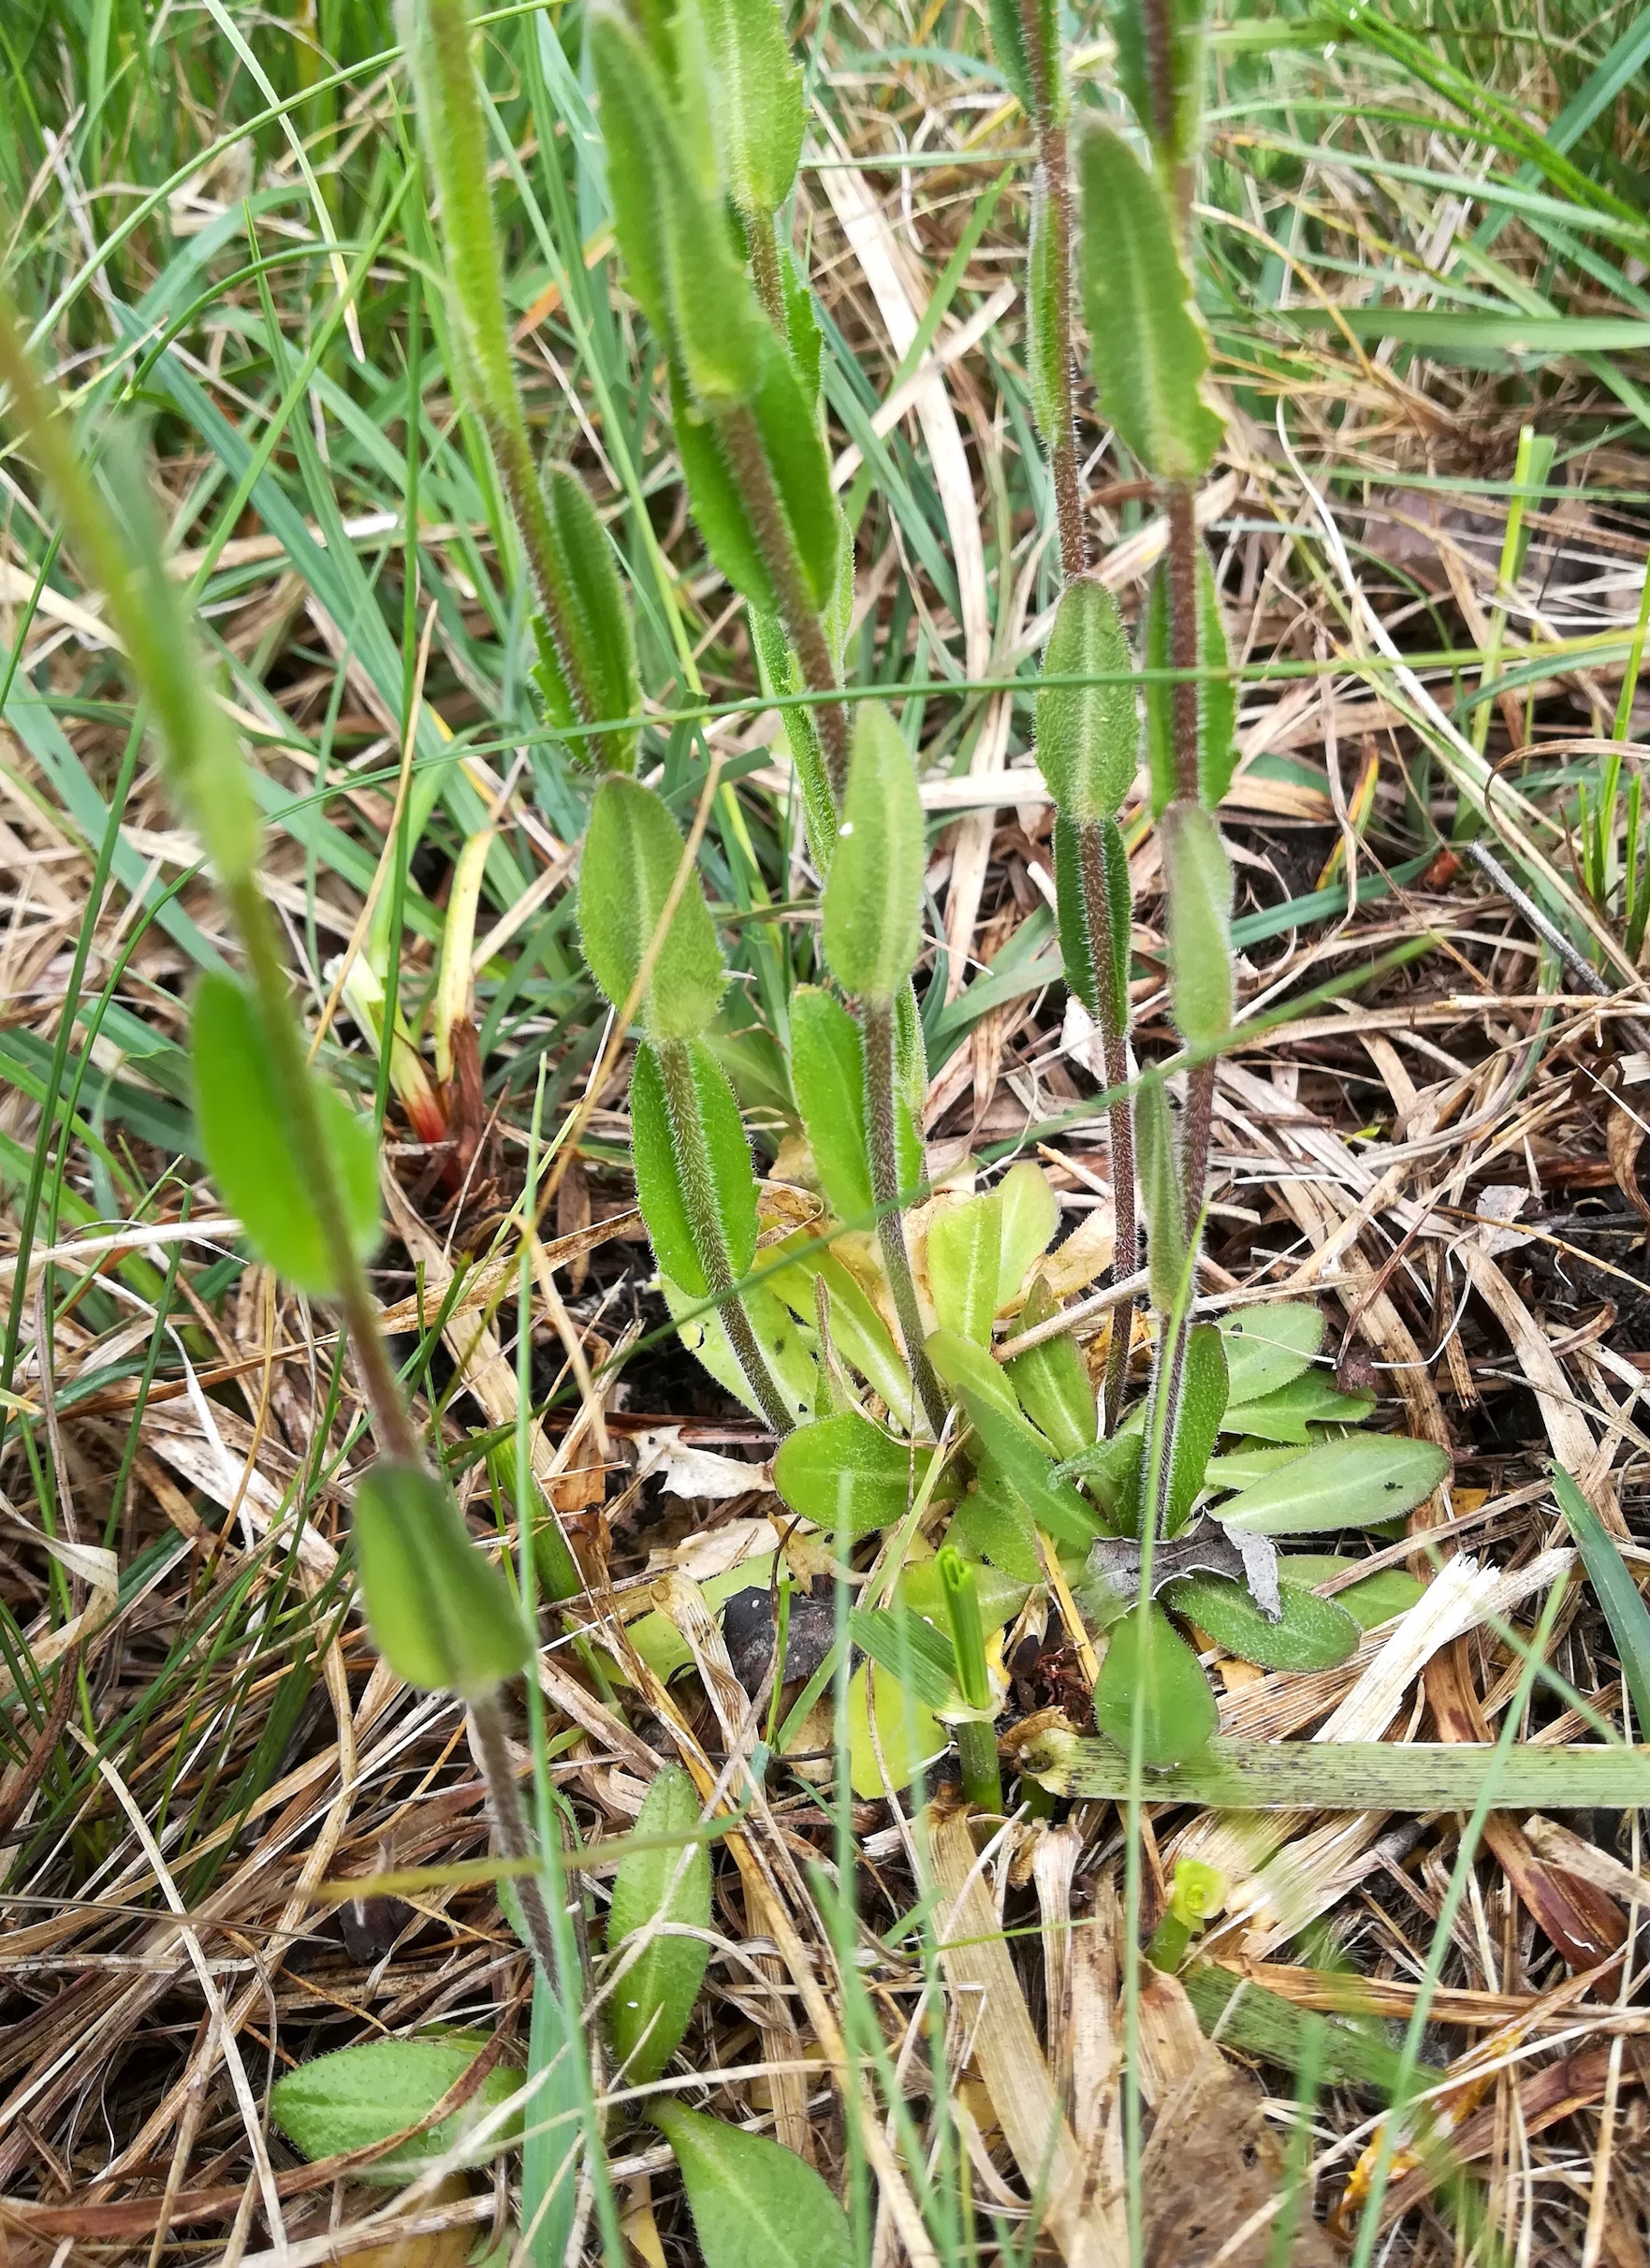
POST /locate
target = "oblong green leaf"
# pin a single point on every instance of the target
(1014, 1446)
(1031, 1215)
(786, 1341)
(1347, 1483)
(991, 1519)
(782, 675)
(847, 1476)
(1047, 380)
(251, 1146)
(362, 2095)
(1217, 694)
(1197, 1422)
(633, 853)
(1159, 1188)
(670, 224)
(1147, 342)
(1287, 1412)
(1311, 1633)
(442, 1614)
(735, 57)
(1268, 1347)
(873, 896)
(651, 2003)
(1001, 1596)
(754, 2206)
(1052, 1381)
(794, 446)
(1145, 1652)
(827, 1076)
(909, 1736)
(1197, 876)
(1378, 1598)
(596, 622)
(965, 1264)
(1087, 736)
(671, 1150)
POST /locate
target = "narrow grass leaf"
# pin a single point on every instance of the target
(1618, 1593)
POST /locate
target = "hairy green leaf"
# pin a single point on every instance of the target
(1197, 875)
(1159, 1188)
(632, 854)
(1197, 1423)
(847, 1476)
(1053, 1383)
(786, 1341)
(595, 620)
(1145, 1653)
(873, 896)
(1087, 736)
(251, 1149)
(781, 674)
(736, 57)
(1147, 340)
(1047, 381)
(362, 2095)
(442, 1614)
(754, 2206)
(651, 2003)
(1217, 694)
(1168, 116)
(669, 1157)
(827, 1073)
(1012, 1444)
(1351, 1483)
(992, 1519)
(1288, 1412)
(1380, 1597)
(1311, 1633)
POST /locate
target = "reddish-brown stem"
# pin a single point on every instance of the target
(747, 461)
(1183, 639)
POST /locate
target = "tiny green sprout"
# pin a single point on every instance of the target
(1197, 1894)
(977, 1737)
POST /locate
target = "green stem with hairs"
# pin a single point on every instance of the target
(692, 1157)
(881, 1074)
